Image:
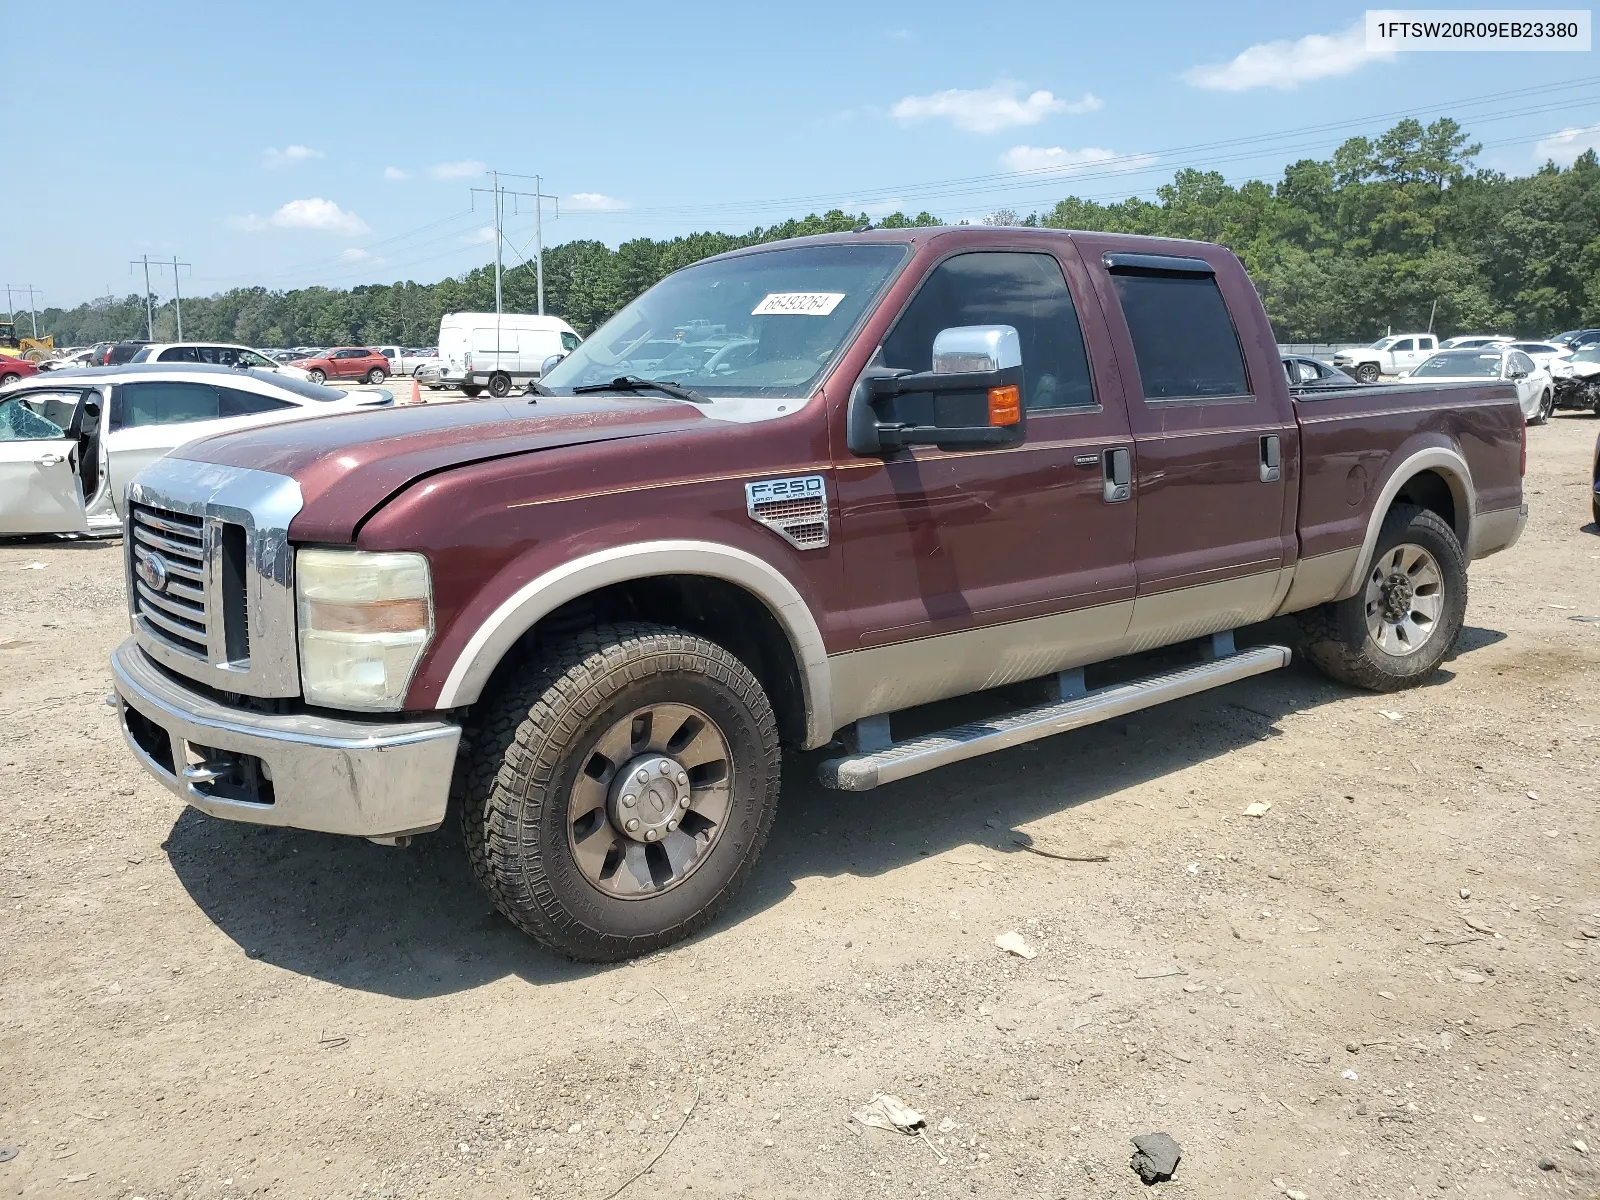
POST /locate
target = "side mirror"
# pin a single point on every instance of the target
(1516, 374)
(973, 396)
(549, 364)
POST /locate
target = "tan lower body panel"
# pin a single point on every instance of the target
(889, 678)
(1318, 580)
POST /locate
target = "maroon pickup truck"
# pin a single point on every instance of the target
(781, 498)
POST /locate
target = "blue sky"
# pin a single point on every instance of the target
(291, 144)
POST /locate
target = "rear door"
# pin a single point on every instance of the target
(150, 418)
(1213, 448)
(40, 490)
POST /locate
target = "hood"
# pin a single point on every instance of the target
(347, 464)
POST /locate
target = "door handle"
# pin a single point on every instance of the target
(50, 460)
(1117, 466)
(1271, 463)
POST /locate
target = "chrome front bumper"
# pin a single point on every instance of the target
(377, 778)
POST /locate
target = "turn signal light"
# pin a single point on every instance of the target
(1005, 405)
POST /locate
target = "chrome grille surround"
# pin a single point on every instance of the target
(181, 511)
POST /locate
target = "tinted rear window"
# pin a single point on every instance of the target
(1183, 337)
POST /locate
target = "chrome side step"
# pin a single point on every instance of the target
(899, 760)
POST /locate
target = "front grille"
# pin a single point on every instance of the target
(210, 574)
(169, 551)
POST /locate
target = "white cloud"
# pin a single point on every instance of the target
(395, 174)
(594, 202)
(484, 233)
(1286, 65)
(354, 255)
(1565, 146)
(249, 223)
(1047, 158)
(899, 35)
(466, 168)
(318, 214)
(985, 110)
(288, 156)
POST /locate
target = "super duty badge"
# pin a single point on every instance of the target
(796, 509)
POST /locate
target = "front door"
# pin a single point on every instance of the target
(954, 554)
(1213, 451)
(40, 491)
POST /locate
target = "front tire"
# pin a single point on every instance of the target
(1367, 373)
(624, 788)
(1407, 613)
(316, 375)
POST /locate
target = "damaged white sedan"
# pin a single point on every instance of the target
(71, 440)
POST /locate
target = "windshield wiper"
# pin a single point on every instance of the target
(632, 383)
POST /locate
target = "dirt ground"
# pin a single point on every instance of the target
(1385, 987)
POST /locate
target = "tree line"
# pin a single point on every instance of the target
(1392, 232)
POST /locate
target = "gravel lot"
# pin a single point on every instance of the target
(1385, 987)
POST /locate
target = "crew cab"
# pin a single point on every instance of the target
(1387, 356)
(781, 498)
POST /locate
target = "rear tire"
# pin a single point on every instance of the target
(1406, 615)
(471, 390)
(1547, 404)
(8, 379)
(1367, 373)
(499, 385)
(557, 759)
(376, 376)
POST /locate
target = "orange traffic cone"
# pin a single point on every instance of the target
(416, 391)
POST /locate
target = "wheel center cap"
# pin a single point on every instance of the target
(648, 797)
(1397, 594)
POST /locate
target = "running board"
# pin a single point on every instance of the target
(900, 760)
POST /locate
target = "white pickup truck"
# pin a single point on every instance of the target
(403, 361)
(1387, 356)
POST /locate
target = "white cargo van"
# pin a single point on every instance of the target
(482, 350)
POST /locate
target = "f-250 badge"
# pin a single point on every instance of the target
(796, 509)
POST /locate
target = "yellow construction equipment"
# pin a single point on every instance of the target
(31, 348)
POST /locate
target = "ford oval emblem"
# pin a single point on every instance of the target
(152, 570)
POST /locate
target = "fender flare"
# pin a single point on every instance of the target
(520, 611)
(1457, 476)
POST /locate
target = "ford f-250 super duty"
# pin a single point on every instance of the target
(782, 497)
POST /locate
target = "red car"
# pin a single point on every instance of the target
(13, 369)
(346, 362)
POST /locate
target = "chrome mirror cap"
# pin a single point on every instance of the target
(971, 349)
(549, 364)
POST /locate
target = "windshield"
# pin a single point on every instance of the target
(1381, 344)
(1472, 363)
(765, 324)
(300, 387)
(1587, 354)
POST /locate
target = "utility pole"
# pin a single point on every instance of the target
(149, 313)
(538, 197)
(177, 293)
(538, 233)
(11, 312)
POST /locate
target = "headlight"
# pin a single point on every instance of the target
(365, 620)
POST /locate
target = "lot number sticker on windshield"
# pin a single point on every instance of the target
(797, 304)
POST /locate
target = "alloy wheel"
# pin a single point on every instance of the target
(651, 801)
(1404, 599)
